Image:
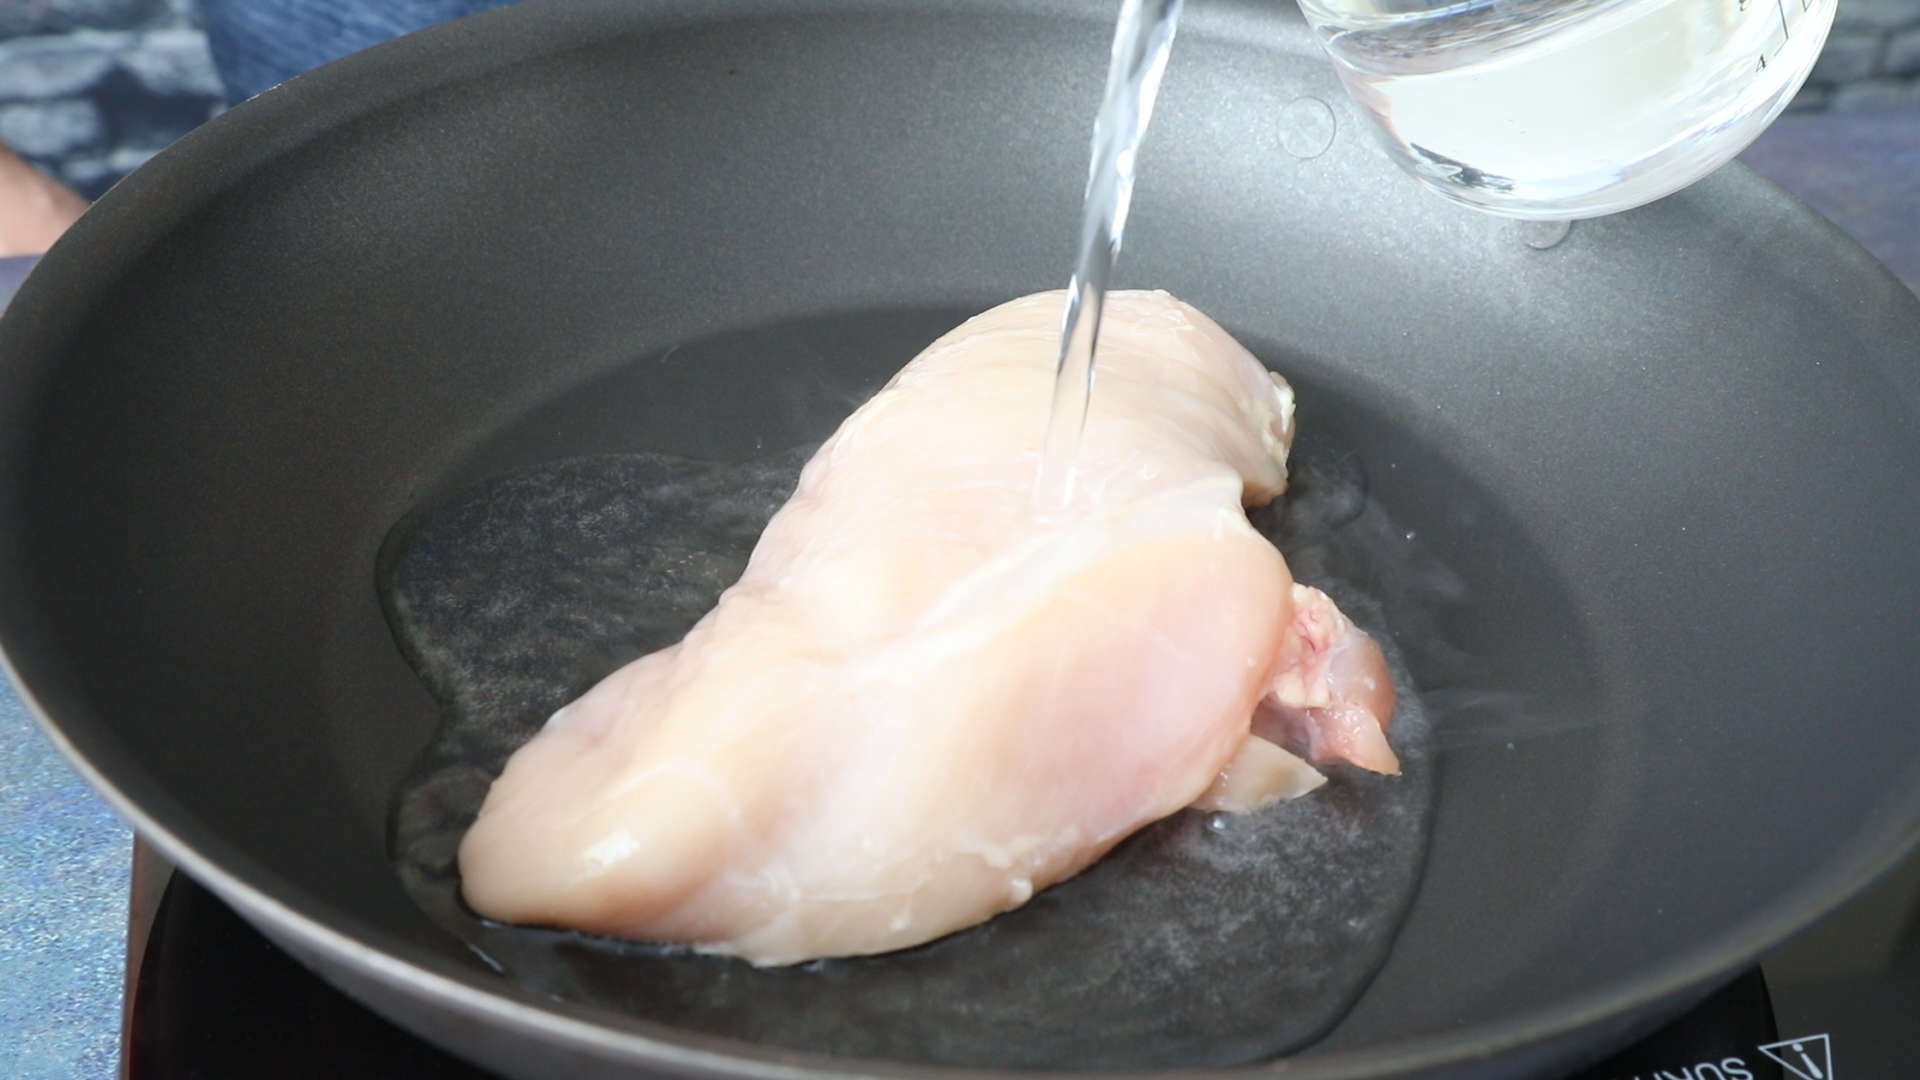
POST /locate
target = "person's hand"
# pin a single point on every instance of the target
(34, 208)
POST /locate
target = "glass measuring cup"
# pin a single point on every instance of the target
(1562, 109)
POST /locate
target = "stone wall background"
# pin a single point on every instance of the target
(90, 89)
(1871, 60)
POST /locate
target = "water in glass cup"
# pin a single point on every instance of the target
(1562, 109)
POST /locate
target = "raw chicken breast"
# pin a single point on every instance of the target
(924, 700)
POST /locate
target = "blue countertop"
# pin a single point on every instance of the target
(64, 857)
(64, 876)
(64, 862)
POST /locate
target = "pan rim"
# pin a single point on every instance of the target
(314, 103)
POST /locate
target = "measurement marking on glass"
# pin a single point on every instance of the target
(1772, 49)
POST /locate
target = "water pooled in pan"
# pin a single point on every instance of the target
(1203, 940)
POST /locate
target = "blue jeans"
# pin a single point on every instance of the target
(257, 44)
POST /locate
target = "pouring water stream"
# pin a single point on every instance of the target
(1141, 43)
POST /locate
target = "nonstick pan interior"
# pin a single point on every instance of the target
(1664, 467)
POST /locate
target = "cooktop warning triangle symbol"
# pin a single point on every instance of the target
(1808, 1058)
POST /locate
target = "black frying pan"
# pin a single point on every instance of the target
(1671, 462)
